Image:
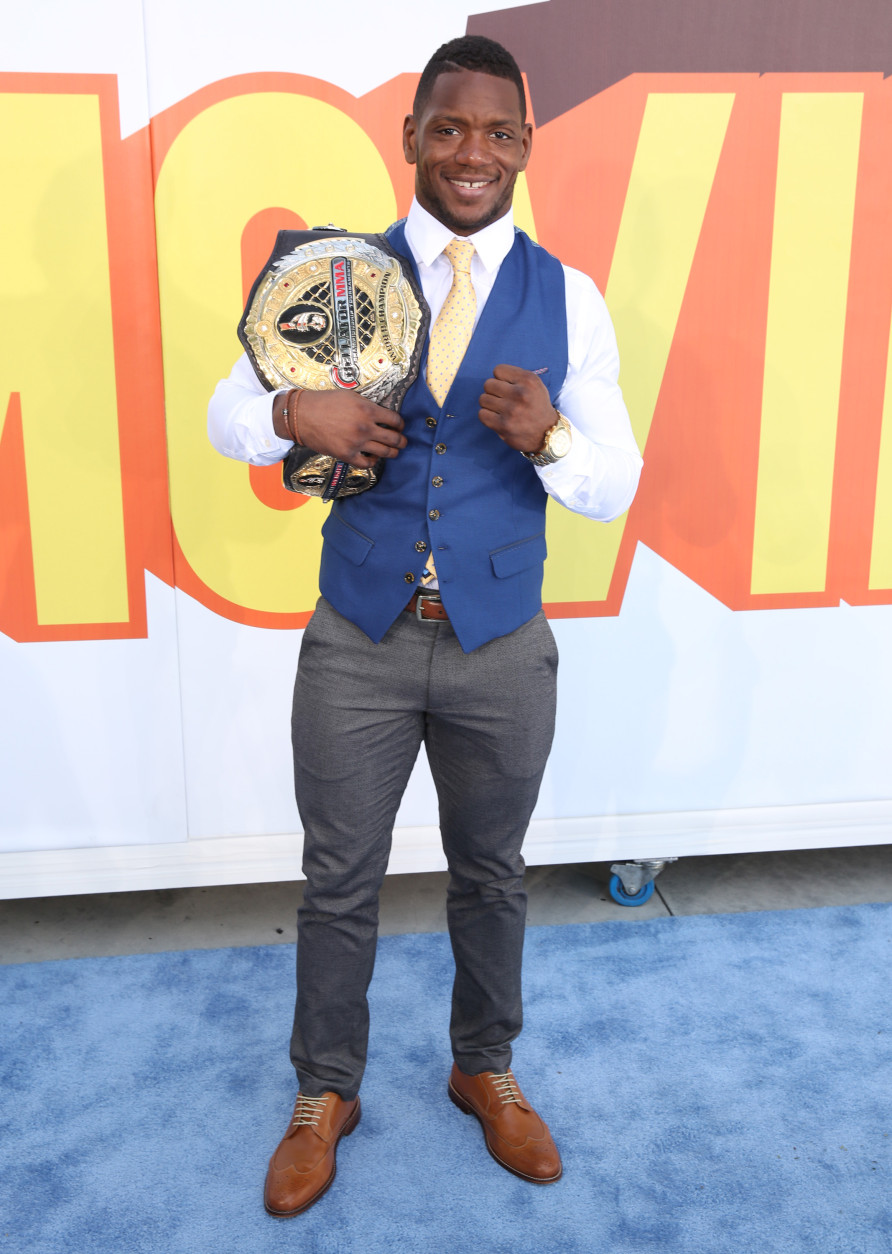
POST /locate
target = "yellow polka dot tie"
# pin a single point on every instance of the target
(454, 326)
(449, 338)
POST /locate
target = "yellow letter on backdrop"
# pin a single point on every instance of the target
(238, 157)
(675, 163)
(814, 210)
(881, 549)
(57, 351)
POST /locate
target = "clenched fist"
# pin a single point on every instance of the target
(516, 405)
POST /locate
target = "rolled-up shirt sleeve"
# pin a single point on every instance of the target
(599, 475)
(240, 419)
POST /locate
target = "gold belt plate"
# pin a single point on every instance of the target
(335, 313)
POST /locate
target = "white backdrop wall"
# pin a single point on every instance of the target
(156, 753)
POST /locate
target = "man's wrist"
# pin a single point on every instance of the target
(280, 416)
(285, 407)
(555, 444)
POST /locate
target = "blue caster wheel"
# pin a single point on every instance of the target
(622, 898)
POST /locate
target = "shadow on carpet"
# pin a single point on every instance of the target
(717, 1083)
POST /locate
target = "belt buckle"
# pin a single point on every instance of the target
(420, 599)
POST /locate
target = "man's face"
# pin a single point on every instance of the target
(467, 147)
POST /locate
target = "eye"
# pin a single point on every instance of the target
(501, 135)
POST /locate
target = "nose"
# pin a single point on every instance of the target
(472, 150)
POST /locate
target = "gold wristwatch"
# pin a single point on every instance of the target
(555, 445)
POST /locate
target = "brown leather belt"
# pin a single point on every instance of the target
(427, 608)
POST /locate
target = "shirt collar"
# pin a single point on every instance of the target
(427, 237)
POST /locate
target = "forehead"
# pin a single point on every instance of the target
(469, 93)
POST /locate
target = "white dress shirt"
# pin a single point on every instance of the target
(599, 474)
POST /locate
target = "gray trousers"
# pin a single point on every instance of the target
(361, 711)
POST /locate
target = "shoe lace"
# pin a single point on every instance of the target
(506, 1087)
(308, 1111)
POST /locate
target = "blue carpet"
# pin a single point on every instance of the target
(718, 1083)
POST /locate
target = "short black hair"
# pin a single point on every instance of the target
(469, 52)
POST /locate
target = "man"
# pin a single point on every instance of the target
(517, 400)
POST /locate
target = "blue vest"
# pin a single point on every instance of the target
(456, 488)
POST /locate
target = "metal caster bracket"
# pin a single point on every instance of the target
(632, 883)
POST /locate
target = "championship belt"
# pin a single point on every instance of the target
(331, 310)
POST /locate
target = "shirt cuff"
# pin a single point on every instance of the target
(596, 480)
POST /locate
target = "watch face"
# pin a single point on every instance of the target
(559, 444)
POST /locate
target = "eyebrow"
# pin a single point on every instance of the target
(446, 117)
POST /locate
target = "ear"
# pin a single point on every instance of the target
(527, 141)
(410, 132)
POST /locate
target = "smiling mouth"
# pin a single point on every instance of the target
(473, 185)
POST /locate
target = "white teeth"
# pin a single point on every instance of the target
(465, 183)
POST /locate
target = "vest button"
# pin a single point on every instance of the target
(437, 481)
(431, 422)
(441, 448)
(420, 546)
(409, 577)
(434, 515)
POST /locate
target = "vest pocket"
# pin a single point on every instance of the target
(520, 555)
(346, 540)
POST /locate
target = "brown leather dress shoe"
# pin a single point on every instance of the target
(515, 1135)
(303, 1166)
